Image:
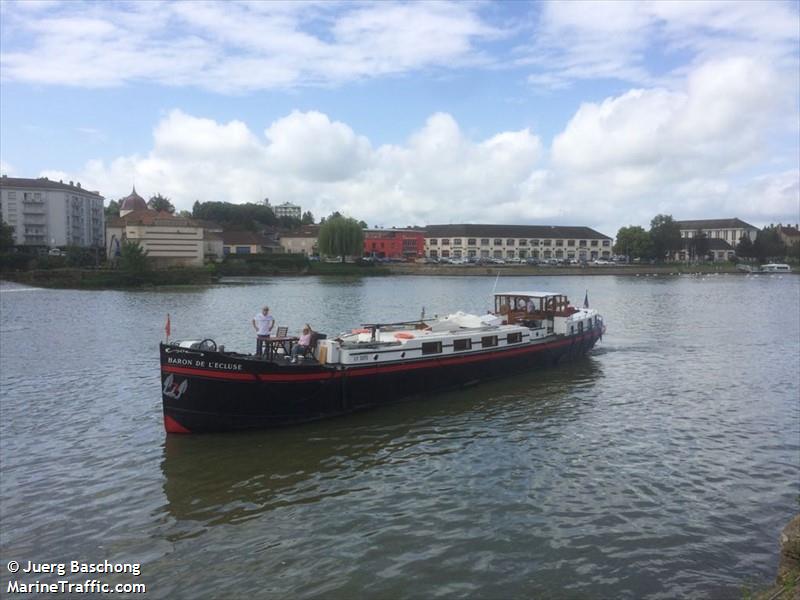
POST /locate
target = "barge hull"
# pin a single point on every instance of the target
(247, 393)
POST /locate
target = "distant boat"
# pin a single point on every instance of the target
(769, 268)
(776, 268)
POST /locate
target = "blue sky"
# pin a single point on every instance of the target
(575, 113)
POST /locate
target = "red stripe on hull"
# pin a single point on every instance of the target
(205, 373)
(172, 426)
(364, 371)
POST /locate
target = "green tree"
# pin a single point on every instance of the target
(307, 218)
(341, 236)
(665, 235)
(250, 217)
(769, 245)
(634, 242)
(160, 203)
(133, 258)
(6, 236)
(112, 210)
(698, 245)
(744, 248)
(290, 223)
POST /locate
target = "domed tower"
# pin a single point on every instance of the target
(132, 202)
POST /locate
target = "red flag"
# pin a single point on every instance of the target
(167, 327)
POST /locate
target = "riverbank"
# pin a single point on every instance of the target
(511, 270)
(787, 583)
(74, 278)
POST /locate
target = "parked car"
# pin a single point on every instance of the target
(56, 252)
(601, 261)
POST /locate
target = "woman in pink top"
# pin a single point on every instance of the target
(303, 344)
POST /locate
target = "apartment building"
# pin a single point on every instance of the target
(723, 235)
(516, 241)
(394, 243)
(303, 241)
(52, 214)
(287, 210)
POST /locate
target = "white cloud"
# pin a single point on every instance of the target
(651, 41)
(232, 47)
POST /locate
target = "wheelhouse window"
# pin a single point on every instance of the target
(461, 345)
(489, 341)
(431, 347)
(514, 338)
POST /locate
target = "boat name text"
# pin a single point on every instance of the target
(203, 364)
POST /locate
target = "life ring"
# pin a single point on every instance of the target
(360, 330)
(402, 335)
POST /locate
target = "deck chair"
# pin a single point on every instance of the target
(315, 338)
(282, 332)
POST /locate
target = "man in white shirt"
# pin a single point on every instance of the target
(263, 324)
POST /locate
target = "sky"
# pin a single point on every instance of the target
(601, 114)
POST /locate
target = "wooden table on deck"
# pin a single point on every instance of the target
(273, 344)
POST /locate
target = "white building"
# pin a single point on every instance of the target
(723, 236)
(287, 210)
(516, 241)
(52, 213)
(169, 240)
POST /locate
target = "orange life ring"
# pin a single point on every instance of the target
(402, 335)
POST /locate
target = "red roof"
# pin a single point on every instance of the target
(132, 202)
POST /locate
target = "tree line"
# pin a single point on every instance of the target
(240, 217)
(663, 240)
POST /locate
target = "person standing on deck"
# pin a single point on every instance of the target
(263, 324)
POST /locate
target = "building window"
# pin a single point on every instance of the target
(606, 243)
(471, 242)
(434, 254)
(445, 253)
(484, 253)
(434, 242)
(431, 347)
(461, 345)
(514, 338)
(242, 249)
(509, 254)
(534, 242)
(445, 242)
(582, 243)
(547, 243)
(523, 242)
(509, 242)
(484, 241)
(489, 341)
(571, 243)
(523, 253)
(498, 242)
(498, 254)
(594, 243)
(12, 195)
(457, 242)
(560, 243)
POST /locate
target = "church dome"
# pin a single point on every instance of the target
(132, 202)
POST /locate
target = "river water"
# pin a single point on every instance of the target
(663, 465)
